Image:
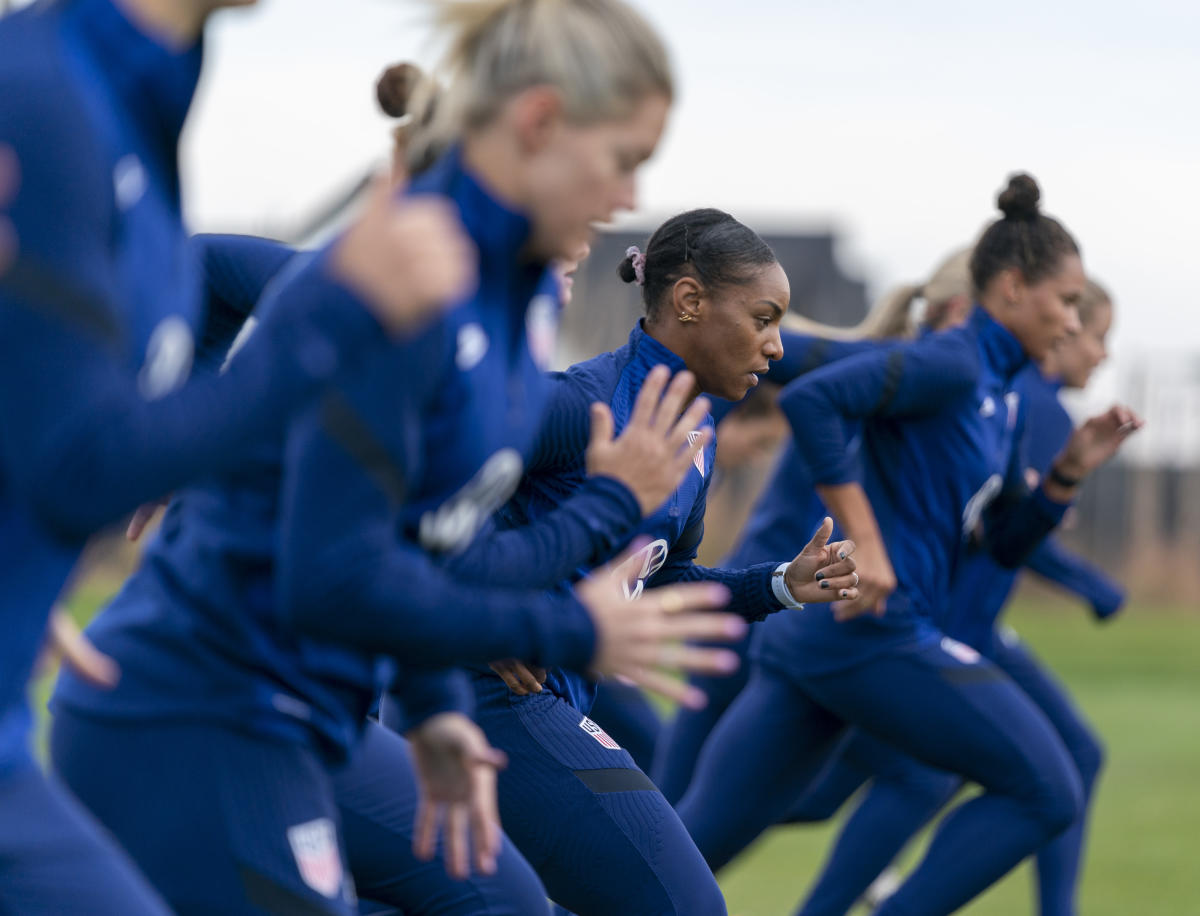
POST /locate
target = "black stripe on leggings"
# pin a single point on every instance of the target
(616, 779)
(278, 900)
(971, 674)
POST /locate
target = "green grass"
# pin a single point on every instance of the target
(1138, 682)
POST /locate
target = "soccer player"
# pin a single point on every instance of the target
(572, 799)
(98, 303)
(903, 793)
(268, 612)
(788, 509)
(938, 462)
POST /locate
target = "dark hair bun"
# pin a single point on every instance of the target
(395, 88)
(1019, 201)
(625, 270)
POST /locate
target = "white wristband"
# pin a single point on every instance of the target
(779, 586)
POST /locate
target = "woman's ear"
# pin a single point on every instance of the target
(686, 298)
(536, 113)
(1012, 285)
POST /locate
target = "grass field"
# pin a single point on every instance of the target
(1138, 681)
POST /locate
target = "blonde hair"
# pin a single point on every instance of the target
(1094, 297)
(602, 55)
(895, 315)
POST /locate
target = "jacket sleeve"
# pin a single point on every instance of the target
(347, 574)
(750, 591)
(80, 443)
(585, 531)
(901, 380)
(236, 271)
(1054, 562)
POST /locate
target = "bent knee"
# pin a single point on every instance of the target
(1060, 800)
(703, 898)
(1089, 755)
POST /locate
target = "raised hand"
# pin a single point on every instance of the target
(408, 258)
(823, 572)
(456, 793)
(653, 453)
(66, 642)
(1095, 441)
(643, 640)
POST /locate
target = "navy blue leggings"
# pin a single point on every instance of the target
(901, 796)
(626, 714)
(597, 831)
(55, 859)
(960, 715)
(222, 822)
(682, 738)
(1058, 861)
(905, 794)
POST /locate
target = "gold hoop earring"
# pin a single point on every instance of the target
(684, 316)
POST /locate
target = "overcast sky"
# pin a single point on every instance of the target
(893, 124)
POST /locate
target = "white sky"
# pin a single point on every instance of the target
(893, 123)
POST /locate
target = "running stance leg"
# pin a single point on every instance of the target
(376, 795)
(1058, 862)
(55, 859)
(770, 744)
(219, 822)
(599, 834)
(681, 739)
(902, 795)
(953, 710)
(625, 713)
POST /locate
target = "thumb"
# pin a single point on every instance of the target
(490, 756)
(602, 424)
(819, 540)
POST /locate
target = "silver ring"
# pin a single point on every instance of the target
(855, 583)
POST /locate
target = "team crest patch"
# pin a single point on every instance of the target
(598, 733)
(698, 458)
(315, 846)
(960, 651)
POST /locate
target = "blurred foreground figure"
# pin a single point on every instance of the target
(350, 552)
(99, 309)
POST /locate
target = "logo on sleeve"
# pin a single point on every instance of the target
(454, 524)
(472, 346)
(654, 555)
(598, 733)
(959, 651)
(984, 496)
(168, 358)
(698, 458)
(1012, 400)
(315, 847)
(129, 181)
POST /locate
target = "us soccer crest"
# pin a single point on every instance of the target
(598, 733)
(698, 458)
(315, 847)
